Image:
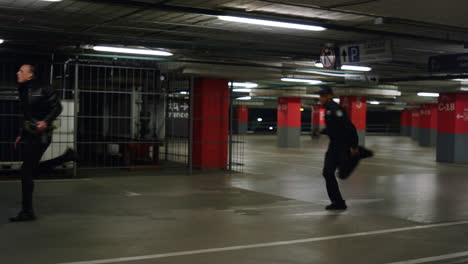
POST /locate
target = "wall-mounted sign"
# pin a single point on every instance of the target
(371, 51)
(456, 63)
(328, 58)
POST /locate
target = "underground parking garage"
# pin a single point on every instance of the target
(188, 131)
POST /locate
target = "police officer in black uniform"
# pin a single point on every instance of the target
(343, 145)
(40, 106)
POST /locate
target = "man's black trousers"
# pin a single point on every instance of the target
(336, 156)
(34, 146)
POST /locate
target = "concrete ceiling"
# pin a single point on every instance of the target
(205, 45)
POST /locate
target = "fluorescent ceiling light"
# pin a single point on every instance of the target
(242, 90)
(374, 102)
(319, 72)
(184, 92)
(460, 80)
(243, 84)
(301, 80)
(1, 41)
(245, 98)
(132, 51)
(355, 68)
(271, 23)
(428, 94)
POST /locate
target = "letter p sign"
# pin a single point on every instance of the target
(354, 55)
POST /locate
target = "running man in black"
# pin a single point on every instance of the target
(40, 106)
(342, 147)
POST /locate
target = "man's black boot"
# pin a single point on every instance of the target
(24, 216)
(337, 206)
(70, 155)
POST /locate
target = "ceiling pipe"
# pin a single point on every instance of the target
(425, 78)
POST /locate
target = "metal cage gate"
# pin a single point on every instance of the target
(115, 117)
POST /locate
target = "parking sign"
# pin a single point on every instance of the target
(371, 51)
(353, 54)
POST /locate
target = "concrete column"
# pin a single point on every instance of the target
(452, 128)
(210, 123)
(289, 122)
(356, 108)
(242, 118)
(428, 125)
(415, 124)
(405, 127)
(318, 118)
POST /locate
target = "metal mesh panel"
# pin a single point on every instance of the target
(236, 154)
(9, 116)
(177, 89)
(236, 137)
(118, 122)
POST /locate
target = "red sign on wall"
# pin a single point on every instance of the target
(415, 117)
(453, 113)
(428, 116)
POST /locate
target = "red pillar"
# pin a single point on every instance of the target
(415, 124)
(242, 119)
(289, 122)
(318, 117)
(427, 134)
(356, 108)
(210, 123)
(405, 123)
(452, 128)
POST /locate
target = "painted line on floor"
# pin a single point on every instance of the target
(267, 207)
(255, 173)
(273, 154)
(132, 194)
(264, 245)
(289, 163)
(322, 213)
(45, 180)
(413, 167)
(431, 259)
(353, 201)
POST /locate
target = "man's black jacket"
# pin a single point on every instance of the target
(39, 102)
(338, 126)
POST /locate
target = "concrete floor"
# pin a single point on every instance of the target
(402, 206)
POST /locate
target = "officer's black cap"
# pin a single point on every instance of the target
(324, 90)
